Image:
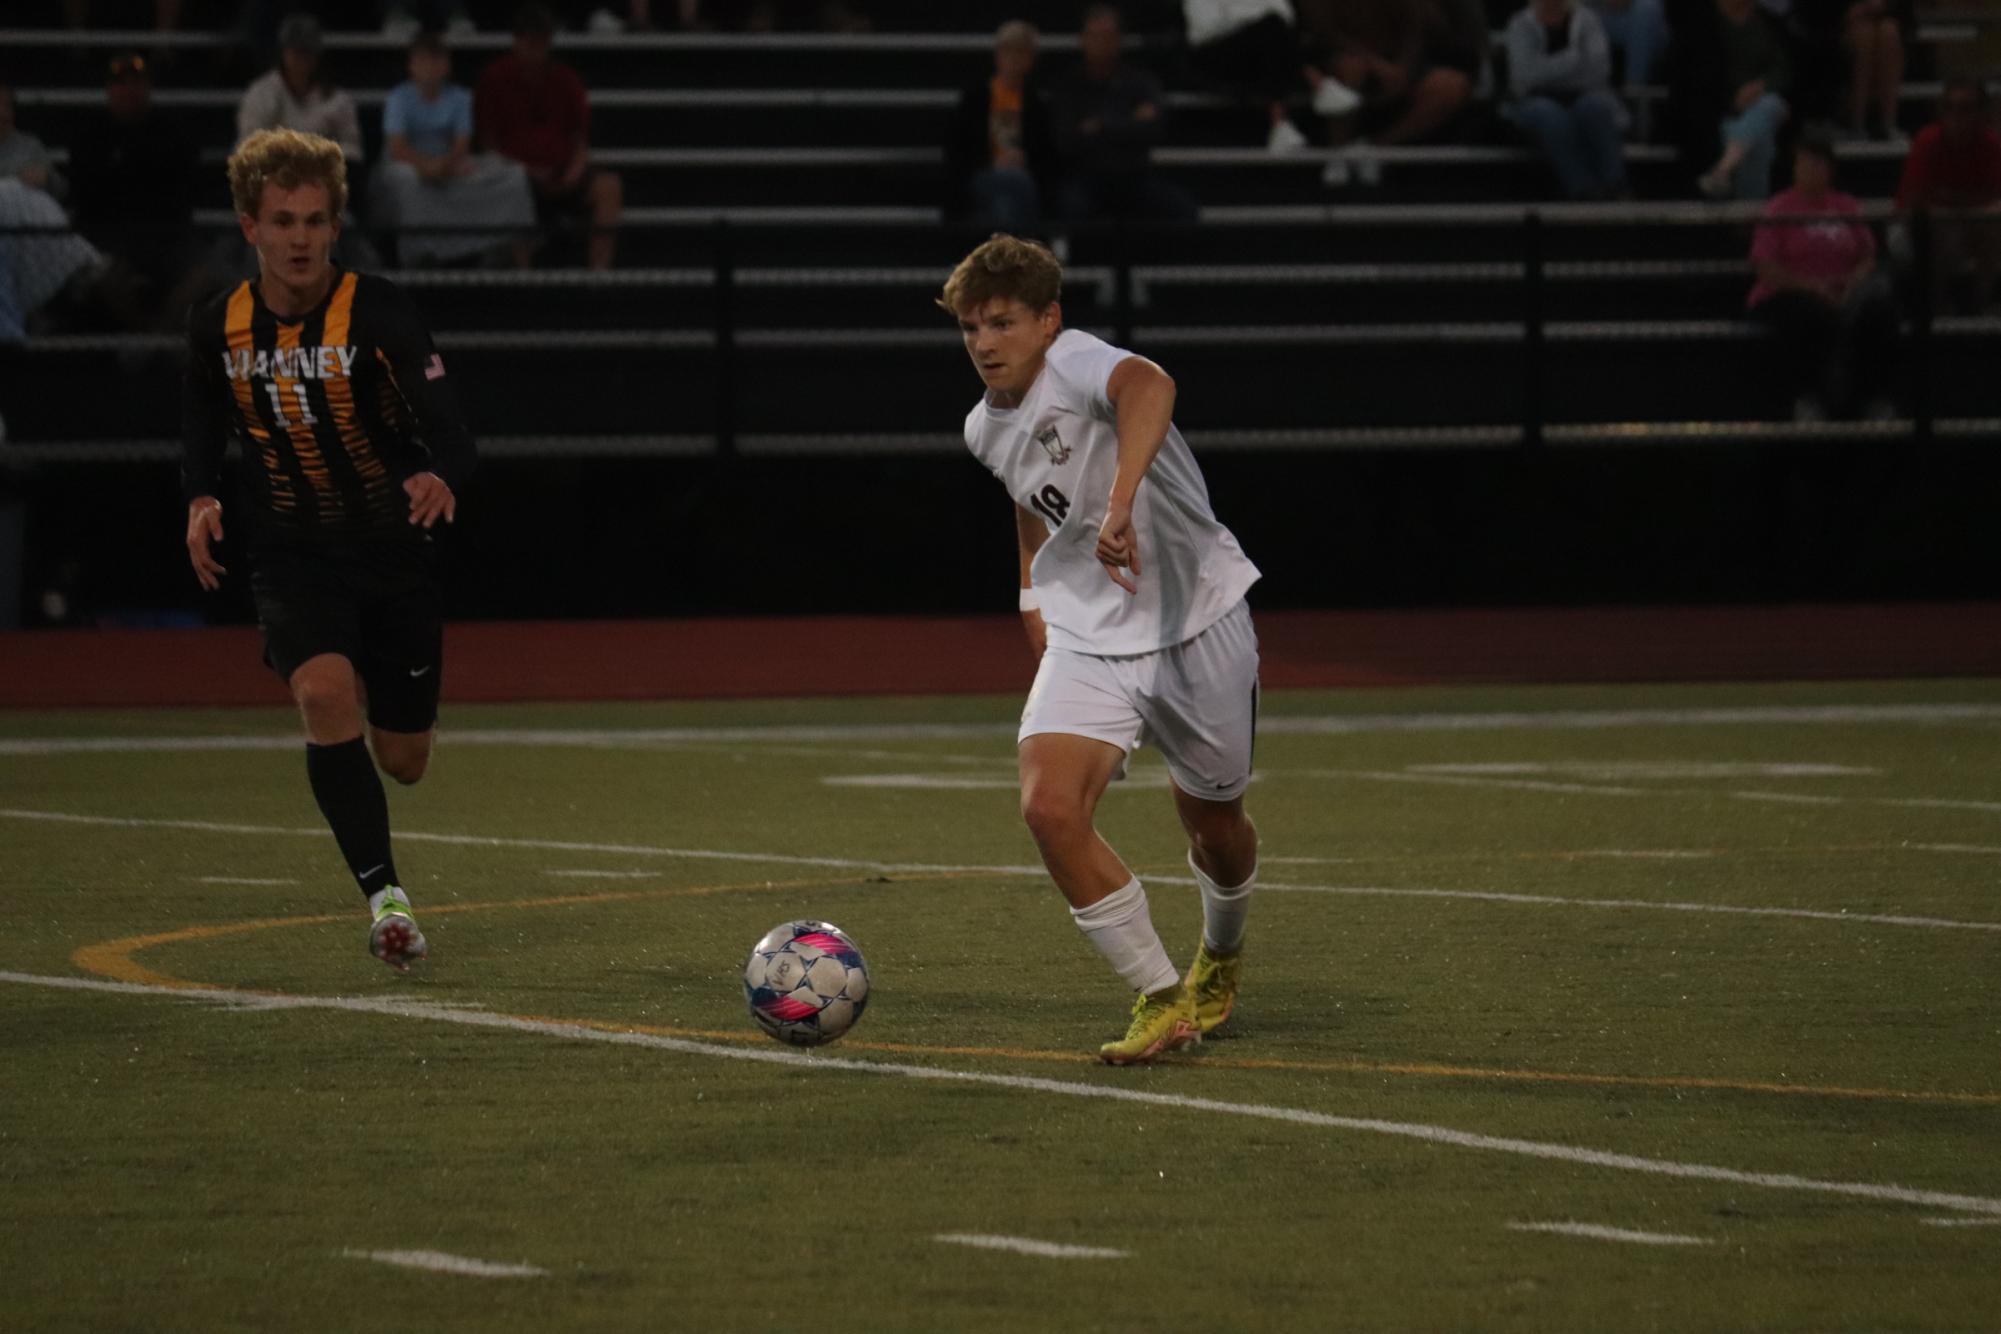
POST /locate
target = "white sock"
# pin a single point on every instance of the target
(1122, 929)
(376, 899)
(1223, 910)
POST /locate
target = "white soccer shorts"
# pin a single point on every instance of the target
(1197, 702)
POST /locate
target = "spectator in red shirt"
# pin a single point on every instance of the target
(1819, 293)
(1955, 164)
(533, 108)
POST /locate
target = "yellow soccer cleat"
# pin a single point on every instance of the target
(394, 937)
(1160, 1024)
(1212, 981)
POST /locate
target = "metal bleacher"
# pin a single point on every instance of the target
(785, 235)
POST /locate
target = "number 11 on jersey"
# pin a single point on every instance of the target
(306, 417)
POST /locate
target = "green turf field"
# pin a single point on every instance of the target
(1716, 968)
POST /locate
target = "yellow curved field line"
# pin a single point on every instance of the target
(113, 959)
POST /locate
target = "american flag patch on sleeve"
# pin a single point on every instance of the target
(434, 369)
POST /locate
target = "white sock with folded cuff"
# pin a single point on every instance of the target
(1122, 929)
(1224, 911)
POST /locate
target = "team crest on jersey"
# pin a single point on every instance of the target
(1052, 445)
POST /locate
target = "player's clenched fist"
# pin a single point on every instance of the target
(1118, 547)
(204, 527)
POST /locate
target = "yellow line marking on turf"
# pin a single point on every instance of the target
(113, 959)
(1627, 1081)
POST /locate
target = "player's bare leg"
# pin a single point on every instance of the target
(404, 756)
(1062, 778)
(350, 796)
(1223, 853)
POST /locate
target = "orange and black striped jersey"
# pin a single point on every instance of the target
(334, 410)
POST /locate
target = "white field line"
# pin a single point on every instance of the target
(1468, 780)
(1592, 719)
(1954, 847)
(1556, 901)
(1146, 780)
(1652, 854)
(1613, 790)
(1048, 1250)
(930, 782)
(1617, 769)
(440, 1263)
(921, 868)
(761, 749)
(1793, 798)
(776, 1056)
(1961, 1222)
(1269, 724)
(1941, 803)
(603, 875)
(1611, 1234)
(240, 880)
(541, 844)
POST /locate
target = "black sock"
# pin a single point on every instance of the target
(350, 796)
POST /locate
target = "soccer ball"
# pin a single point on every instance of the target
(806, 983)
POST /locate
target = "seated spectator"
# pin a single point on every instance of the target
(22, 155)
(36, 268)
(1415, 64)
(132, 183)
(1955, 165)
(1560, 90)
(1848, 61)
(1002, 147)
(1873, 34)
(1108, 115)
(1256, 48)
(532, 108)
(296, 95)
(1737, 80)
(430, 176)
(1819, 293)
(1638, 32)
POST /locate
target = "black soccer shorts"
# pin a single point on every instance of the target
(379, 605)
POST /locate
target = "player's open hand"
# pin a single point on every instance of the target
(1118, 545)
(430, 499)
(204, 527)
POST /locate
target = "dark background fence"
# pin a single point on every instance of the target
(1439, 393)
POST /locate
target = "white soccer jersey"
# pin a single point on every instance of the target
(1057, 454)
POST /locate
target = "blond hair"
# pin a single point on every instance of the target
(1006, 267)
(1016, 32)
(288, 160)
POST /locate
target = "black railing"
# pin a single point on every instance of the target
(1121, 256)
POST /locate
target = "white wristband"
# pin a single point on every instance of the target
(1029, 601)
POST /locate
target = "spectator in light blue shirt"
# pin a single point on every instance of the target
(433, 118)
(431, 178)
(1560, 95)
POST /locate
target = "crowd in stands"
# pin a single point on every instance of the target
(488, 173)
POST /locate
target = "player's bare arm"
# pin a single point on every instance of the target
(1142, 394)
(1030, 533)
(204, 527)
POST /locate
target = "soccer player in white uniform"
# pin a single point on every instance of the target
(1133, 594)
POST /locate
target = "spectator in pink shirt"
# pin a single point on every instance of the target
(1819, 293)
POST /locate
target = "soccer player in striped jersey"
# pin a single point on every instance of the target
(1133, 594)
(354, 450)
